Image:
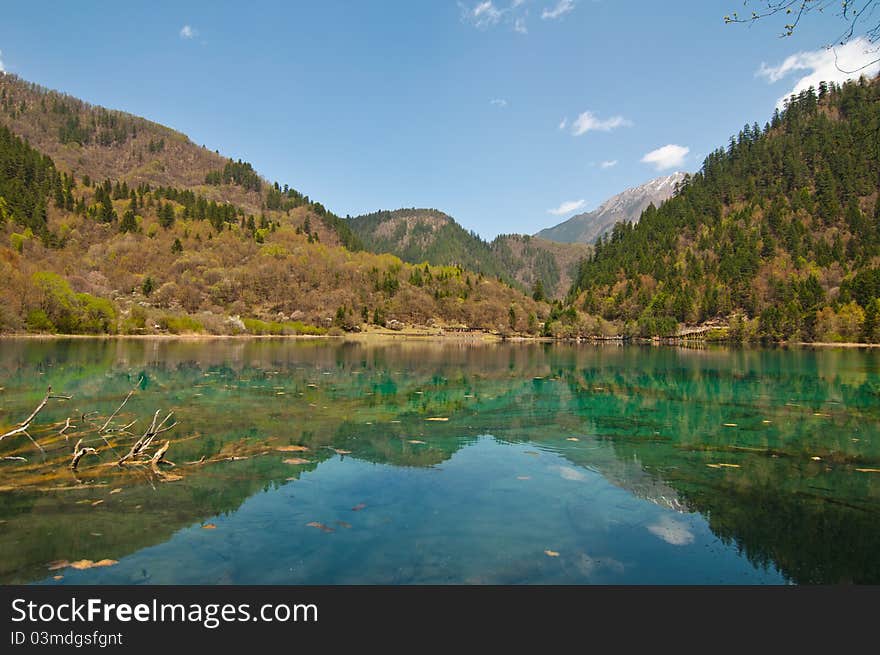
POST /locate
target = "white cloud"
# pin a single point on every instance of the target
(485, 14)
(669, 156)
(563, 123)
(567, 207)
(562, 7)
(610, 163)
(498, 102)
(188, 32)
(2, 70)
(838, 64)
(482, 15)
(589, 121)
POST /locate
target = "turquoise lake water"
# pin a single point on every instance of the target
(406, 462)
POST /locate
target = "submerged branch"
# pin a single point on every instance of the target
(67, 426)
(159, 456)
(91, 428)
(22, 427)
(146, 440)
(104, 428)
(118, 409)
(79, 452)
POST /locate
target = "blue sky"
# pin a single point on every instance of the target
(495, 112)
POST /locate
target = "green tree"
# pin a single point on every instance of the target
(148, 286)
(128, 222)
(166, 215)
(538, 291)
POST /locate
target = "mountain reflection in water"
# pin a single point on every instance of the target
(555, 464)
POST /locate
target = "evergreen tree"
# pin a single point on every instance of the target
(128, 222)
(166, 215)
(147, 286)
(538, 291)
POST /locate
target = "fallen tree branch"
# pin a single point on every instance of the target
(113, 415)
(124, 428)
(144, 442)
(159, 456)
(34, 441)
(67, 426)
(78, 454)
(22, 427)
(104, 427)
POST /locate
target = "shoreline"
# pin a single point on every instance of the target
(457, 337)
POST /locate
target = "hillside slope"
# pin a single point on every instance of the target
(82, 254)
(531, 260)
(778, 234)
(626, 206)
(429, 235)
(425, 235)
(93, 142)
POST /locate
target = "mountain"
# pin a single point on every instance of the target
(777, 236)
(429, 235)
(425, 235)
(626, 206)
(87, 140)
(530, 260)
(112, 223)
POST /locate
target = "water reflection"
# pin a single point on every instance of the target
(633, 464)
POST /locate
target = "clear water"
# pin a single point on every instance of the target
(556, 464)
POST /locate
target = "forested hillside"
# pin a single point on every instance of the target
(546, 268)
(161, 249)
(97, 143)
(626, 206)
(778, 234)
(539, 267)
(425, 235)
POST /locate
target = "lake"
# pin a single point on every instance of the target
(410, 462)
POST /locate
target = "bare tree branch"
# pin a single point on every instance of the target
(22, 427)
(79, 452)
(861, 19)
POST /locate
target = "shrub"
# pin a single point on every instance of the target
(96, 315)
(258, 327)
(57, 301)
(37, 321)
(61, 310)
(180, 324)
(135, 322)
(16, 241)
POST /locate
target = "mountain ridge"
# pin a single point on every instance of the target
(419, 235)
(775, 238)
(625, 206)
(135, 229)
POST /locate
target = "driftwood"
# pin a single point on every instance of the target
(103, 428)
(144, 442)
(67, 426)
(91, 428)
(78, 454)
(22, 427)
(159, 456)
(106, 427)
